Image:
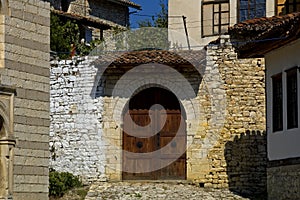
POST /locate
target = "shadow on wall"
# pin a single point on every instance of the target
(246, 158)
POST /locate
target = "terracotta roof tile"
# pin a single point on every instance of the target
(195, 58)
(264, 24)
(257, 36)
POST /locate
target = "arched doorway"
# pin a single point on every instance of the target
(154, 137)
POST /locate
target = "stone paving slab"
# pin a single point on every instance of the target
(153, 190)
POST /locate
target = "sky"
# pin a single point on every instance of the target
(149, 7)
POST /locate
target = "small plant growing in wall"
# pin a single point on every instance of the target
(62, 182)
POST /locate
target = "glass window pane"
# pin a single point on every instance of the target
(207, 28)
(277, 107)
(252, 9)
(216, 30)
(216, 19)
(224, 28)
(292, 99)
(225, 18)
(291, 9)
(225, 7)
(216, 8)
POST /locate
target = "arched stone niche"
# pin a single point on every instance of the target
(7, 141)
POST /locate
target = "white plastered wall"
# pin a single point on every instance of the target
(282, 144)
(191, 9)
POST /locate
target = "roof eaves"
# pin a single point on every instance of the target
(88, 20)
(256, 37)
(127, 3)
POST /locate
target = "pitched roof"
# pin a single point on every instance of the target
(127, 3)
(256, 37)
(89, 21)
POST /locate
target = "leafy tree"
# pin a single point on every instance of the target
(64, 33)
(161, 21)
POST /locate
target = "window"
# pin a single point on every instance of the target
(249, 9)
(277, 103)
(292, 98)
(287, 6)
(215, 17)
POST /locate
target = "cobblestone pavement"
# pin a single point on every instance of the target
(152, 190)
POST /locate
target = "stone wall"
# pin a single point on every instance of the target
(102, 9)
(76, 141)
(110, 11)
(225, 120)
(284, 179)
(239, 158)
(25, 46)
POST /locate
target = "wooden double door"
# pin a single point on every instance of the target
(154, 137)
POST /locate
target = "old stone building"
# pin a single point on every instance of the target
(95, 17)
(280, 44)
(214, 114)
(24, 99)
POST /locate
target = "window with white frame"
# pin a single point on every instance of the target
(290, 83)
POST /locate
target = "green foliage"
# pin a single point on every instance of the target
(63, 33)
(61, 182)
(82, 193)
(147, 38)
(161, 21)
(83, 49)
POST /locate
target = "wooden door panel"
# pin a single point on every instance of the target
(171, 125)
(175, 170)
(173, 145)
(140, 139)
(133, 167)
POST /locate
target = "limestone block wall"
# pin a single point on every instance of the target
(25, 46)
(239, 158)
(76, 136)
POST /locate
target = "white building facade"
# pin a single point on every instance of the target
(207, 19)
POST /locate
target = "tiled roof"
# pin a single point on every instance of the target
(258, 36)
(89, 21)
(128, 3)
(153, 56)
(185, 62)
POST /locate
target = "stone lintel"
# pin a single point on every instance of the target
(8, 89)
